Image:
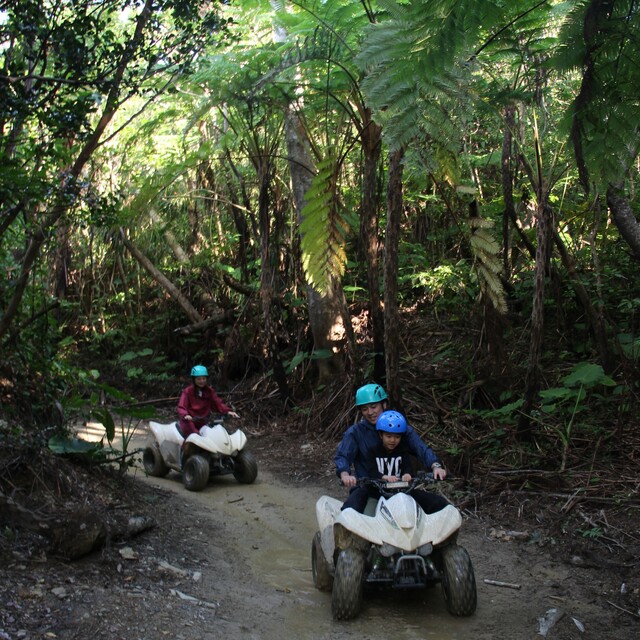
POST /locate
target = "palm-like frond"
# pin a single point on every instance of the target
(420, 59)
(487, 263)
(601, 41)
(323, 228)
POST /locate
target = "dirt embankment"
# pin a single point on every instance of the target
(233, 561)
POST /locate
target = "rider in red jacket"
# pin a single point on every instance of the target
(198, 401)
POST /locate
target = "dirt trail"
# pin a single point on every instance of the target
(233, 561)
(259, 572)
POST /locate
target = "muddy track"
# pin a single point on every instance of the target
(259, 575)
(234, 561)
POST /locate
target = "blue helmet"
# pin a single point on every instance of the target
(391, 422)
(199, 370)
(369, 394)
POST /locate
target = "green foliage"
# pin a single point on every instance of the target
(487, 264)
(560, 406)
(149, 370)
(323, 229)
(593, 534)
(302, 357)
(599, 40)
(120, 424)
(418, 64)
(66, 446)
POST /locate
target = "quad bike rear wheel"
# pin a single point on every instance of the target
(322, 579)
(458, 581)
(195, 473)
(348, 584)
(153, 462)
(245, 467)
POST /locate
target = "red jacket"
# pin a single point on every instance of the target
(199, 404)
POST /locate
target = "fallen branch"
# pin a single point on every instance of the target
(615, 606)
(498, 583)
(192, 599)
(626, 502)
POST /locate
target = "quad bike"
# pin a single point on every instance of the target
(393, 544)
(213, 451)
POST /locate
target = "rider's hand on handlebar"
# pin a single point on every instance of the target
(233, 414)
(348, 480)
(404, 478)
(439, 473)
(188, 418)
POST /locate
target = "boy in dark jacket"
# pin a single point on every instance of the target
(390, 461)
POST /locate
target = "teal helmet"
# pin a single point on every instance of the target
(370, 393)
(391, 422)
(199, 370)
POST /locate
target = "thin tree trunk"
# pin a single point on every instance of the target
(123, 278)
(624, 218)
(371, 148)
(178, 252)
(507, 186)
(391, 316)
(544, 218)
(596, 320)
(161, 279)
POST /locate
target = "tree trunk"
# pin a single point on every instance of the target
(178, 252)
(268, 287)
(161, 279)
(74, 534)
(509, 212)
(624, 218)
(330, 324)
(371, 148)
(595, 320)
(544, 218)
(391, 317)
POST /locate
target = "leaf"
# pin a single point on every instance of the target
(556, 393)
(589, 375)
(321, 354)
(63, 445)
(104, 416)
(323, 229)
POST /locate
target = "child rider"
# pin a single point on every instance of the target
(198, 401)
(360, 438)
(390, 461)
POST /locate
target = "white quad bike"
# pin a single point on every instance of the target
(393, 544)
(214, 451)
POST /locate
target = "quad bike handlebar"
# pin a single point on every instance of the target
(388, 489)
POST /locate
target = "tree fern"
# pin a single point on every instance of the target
(600, 41)
(487, 263)
(323, 229)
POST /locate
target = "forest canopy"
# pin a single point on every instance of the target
(300, 193)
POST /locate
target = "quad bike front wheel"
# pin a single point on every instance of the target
(153, 462)
(245, 467)
(348, 584)
(195, 473)
(458, 581)
(322, 579)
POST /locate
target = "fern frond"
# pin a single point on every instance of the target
(487, 264)
(323, 229)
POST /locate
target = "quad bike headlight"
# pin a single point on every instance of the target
(388, 550)
(425, 549)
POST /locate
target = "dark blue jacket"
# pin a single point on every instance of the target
(361, 438)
